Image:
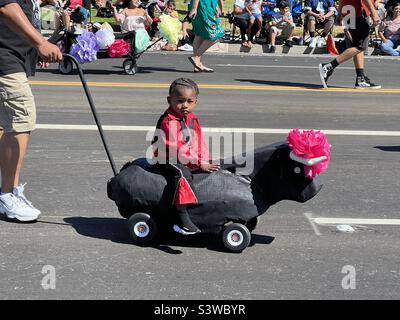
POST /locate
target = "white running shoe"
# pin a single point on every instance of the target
(185, 47)
(313, 42)
(19, 192)
(17, 207)
(321, 42)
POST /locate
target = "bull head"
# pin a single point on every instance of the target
(283, 176)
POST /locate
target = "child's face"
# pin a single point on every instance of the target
(284, 10)
(182, 100)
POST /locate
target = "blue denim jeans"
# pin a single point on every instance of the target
(390, 46)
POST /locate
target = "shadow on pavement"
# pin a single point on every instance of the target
(116, 230)
(282, 83)
(388, 148)
(119, 71)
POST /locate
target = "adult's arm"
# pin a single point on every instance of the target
(19, 23)
(374, 14)
(193, 12)
(331, 9)
(221, 6)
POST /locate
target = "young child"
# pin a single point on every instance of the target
(170, 9)
(180, 149)
(253, 8)
(282, 23)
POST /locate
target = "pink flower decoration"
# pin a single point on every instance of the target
(118, 49)
(310, 144)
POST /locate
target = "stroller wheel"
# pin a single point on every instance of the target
(142, 228)
(65, 66)
(130, 66)
(236, 237)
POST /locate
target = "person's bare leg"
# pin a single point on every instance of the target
(197, 42)
(359, 60)
(272, 39)
(259, 27)
(205, 45)
(12, 152)
(311, 26)
(328, 26)
(348, 54)
(67, 20)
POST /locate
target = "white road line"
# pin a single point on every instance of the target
(218, 130)
(272, 66)
(310, 219)
(355, 221)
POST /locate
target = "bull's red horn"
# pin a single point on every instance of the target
(307, 161)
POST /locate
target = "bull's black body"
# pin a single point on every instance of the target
(222, 196)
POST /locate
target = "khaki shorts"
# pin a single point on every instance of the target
(17, 106)
(284, 31)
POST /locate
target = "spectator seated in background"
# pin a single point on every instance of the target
(76, 11)
(281, 25)
(49, 13)
(132, 17)
(389, 32)
(241, 19)
(170, 9)
(104, 8)
(319, 13)
(253, 9)
(380, 6)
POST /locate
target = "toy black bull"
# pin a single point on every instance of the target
(228, 203)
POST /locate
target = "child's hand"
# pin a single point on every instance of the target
(209, 167)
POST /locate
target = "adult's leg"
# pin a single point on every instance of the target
(205, 45)
(12, 152)
(196, 57)
(328, 26)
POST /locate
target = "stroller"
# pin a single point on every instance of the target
(67, 39)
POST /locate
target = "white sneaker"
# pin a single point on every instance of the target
(19, 192)
(185, 47)
(313, 42)
(15, 207)
(321, 42)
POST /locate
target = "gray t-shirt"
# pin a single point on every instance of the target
(16, 53)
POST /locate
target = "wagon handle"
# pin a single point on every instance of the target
(92, 107)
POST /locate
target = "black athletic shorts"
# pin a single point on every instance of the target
(358, 37)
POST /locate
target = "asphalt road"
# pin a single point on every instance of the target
(83, 237)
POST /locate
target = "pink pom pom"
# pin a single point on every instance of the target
(310, 144)
(118, 49)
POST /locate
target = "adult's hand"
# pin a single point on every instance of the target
(49, 52)
(375, 19)
(193, 13)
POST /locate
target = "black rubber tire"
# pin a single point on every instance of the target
(65, 67)
(252, 224)
(130, 66)
(142, 228)
(236, 237)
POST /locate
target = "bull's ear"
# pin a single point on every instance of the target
(307, 161)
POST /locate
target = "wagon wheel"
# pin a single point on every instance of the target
(236, 237)
(142, 228)
(251, 224)
(130, 66)
(66, 66)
